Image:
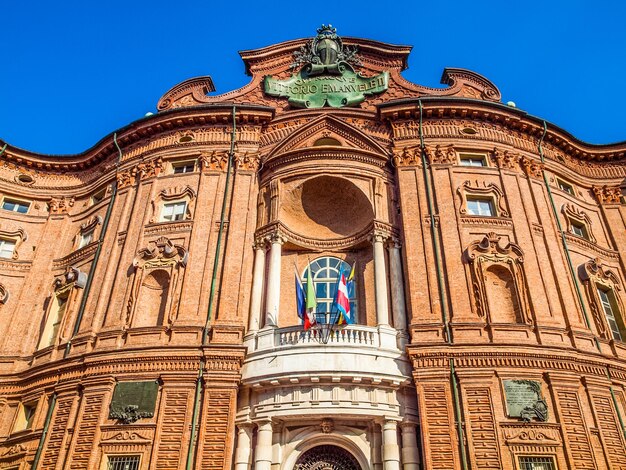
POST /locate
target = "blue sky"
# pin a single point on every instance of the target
(74, 71)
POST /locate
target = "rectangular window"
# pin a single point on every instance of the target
(85, 239)
(7, 247)
(184, 167)
(608, 305)
(579, 229)
(563, 186)
(123, 462)
(53, 323)
(536, 463)
(470, 159)
(482, 207)
(25, 415)
(15, 206)
(99, 196)
(173, 211)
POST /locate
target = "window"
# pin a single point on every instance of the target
(15, 206)
(609, 305)
(85, 239)
(563, 186)
(469, 159)
(25, 415)
(326, 272)
(7, 248)
(123, 462)
(184, 167)
(536, 463)
(53, 323)
(98, 196)
(173, 211)
(579, 229)
(482, 207)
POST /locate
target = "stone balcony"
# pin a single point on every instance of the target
(290, 354)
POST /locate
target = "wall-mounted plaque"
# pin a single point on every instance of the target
(133, 400)
(524, 400)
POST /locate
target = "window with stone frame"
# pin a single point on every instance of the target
(173, 211)
(123, 462)
(325, 272)
(54, 319)
(532, 462)
(472, 159)
(15, 205)
(483, 207)
(603, 288)
(187, 166)
(7, 248)
(577, 222)
(565, 186)
(481, 200)
(24, 417)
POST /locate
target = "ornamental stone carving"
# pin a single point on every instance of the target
(247, 161)
(172, 194)
(407, 156)
(607, 194)
(73, 277)
(504, 159)
(438, 155)
(531, 167)
(161, 252)
(19, 236)
(4, 294)
(60, 205)
(216, 160)
(573, 214)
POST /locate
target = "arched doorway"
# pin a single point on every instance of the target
(327, 457)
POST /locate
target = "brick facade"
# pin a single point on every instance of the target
(125, 268)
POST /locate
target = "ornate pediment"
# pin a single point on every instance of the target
(328, 70)
(327, 131)
(594, 269)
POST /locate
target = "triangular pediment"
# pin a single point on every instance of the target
(322, 130)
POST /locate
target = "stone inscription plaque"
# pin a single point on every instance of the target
(133, 400)
(524, 400)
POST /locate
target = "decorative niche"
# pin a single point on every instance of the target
(155, 281)
(474, 190)
(499, 285)
(170, 195)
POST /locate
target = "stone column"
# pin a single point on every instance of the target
(272, 304)
(380, 279)
(243, 451)
(263, 450)
(391, 450)
(410, 452)
(397, 286)
(257, 286)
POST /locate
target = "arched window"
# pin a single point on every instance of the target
(326, 272)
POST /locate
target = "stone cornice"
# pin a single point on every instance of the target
(495, 357)
(474, 110)
(142, 129)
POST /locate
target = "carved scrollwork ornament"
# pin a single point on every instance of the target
(504, 159)
(217, 160)
(4, 294)
(482, 189)
(327, 426)
(73, 277)
(407, 156)
(531, 167)
(573, 214)
(161, 252)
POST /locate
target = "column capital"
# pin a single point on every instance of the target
(260, 243)
(276, 238)
(394, 243)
